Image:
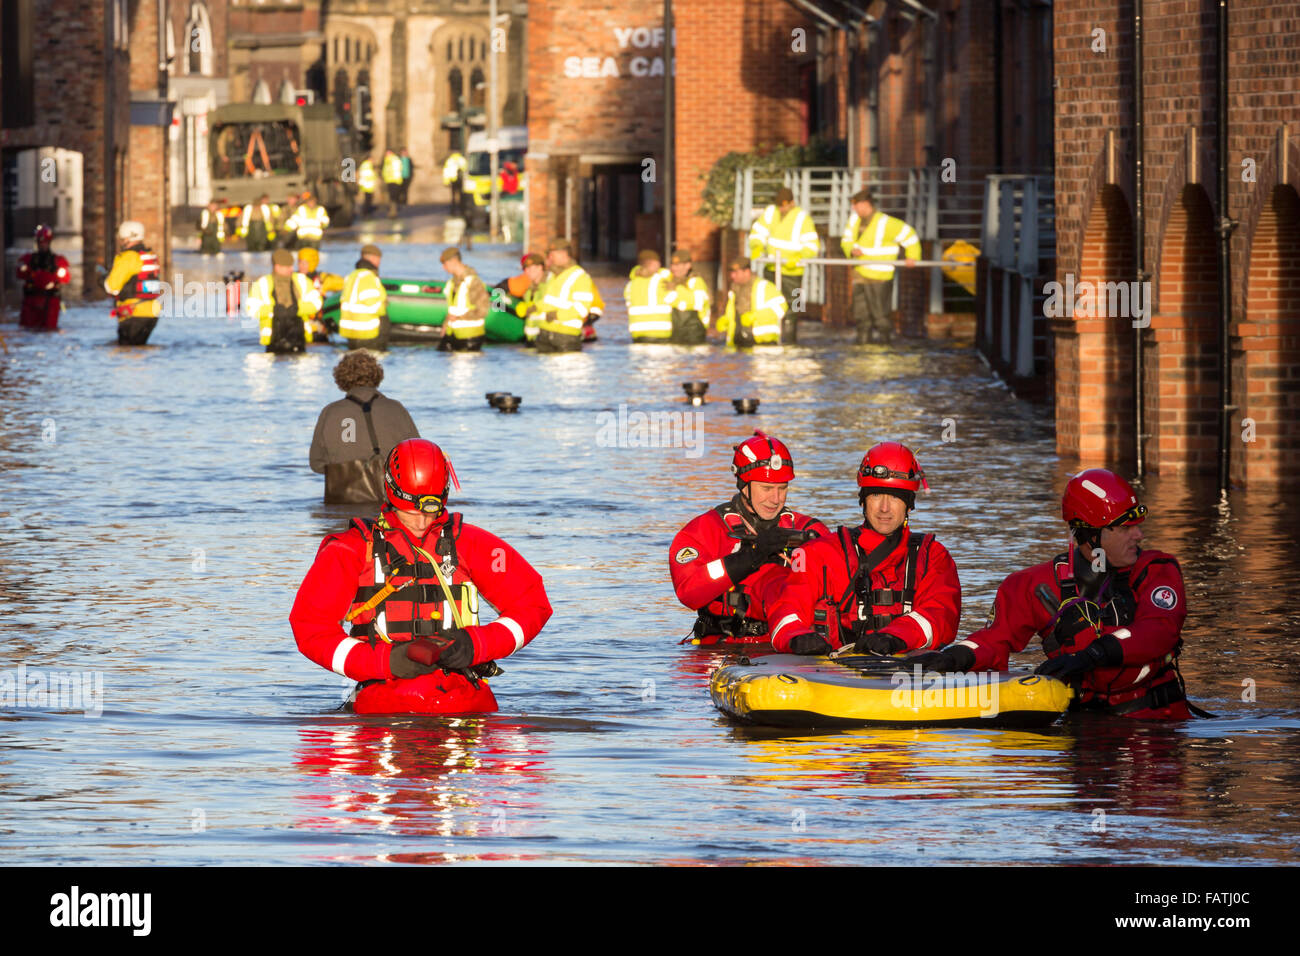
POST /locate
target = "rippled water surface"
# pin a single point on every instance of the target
(157, 515)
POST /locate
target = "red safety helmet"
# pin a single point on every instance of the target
(762, 459)
(1098, 498)
(417, 475)
(891, 466)
(44, 234)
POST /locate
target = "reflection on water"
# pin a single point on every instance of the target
(157, 515)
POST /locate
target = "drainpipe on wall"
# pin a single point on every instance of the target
(1139, 221)
(1226, 226)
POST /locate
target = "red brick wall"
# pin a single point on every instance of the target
(147, 190)
(71, 97)
(736, 88)
(1095, 96)
(616, 116)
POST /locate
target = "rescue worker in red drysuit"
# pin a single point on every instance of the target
(380, 577)
(727, 581)
(880, 587)
(1109, 613)
(41, 273)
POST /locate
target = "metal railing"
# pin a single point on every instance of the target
(941, 212)
(1018, 236)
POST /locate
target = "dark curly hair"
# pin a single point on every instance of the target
(358, 369)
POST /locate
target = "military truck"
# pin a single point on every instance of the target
(280, 150)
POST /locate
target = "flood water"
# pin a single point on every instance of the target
(157, 515)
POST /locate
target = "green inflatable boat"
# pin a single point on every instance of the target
(417, 308)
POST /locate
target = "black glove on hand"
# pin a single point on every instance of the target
(460, 653)
(1121, 605)
(770, 542)
(742, 564)
(1072, 622)
(809, 643)
(414, 658)
(952, 659)
(1105, 651)
(876, 643)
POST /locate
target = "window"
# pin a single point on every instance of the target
(198, 41)
(255, 150)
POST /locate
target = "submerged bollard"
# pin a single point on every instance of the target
(508, 403)
(695, 391)
(494, 397)
(745, 406)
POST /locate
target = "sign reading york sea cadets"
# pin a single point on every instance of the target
(629, 39)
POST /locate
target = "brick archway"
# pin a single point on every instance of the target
(1266, 352)
(1181, 351)
(1094, 353)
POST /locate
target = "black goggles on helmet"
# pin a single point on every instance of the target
(1132, 516)
(427, 504)
(883, 471)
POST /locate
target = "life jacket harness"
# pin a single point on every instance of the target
(1165, 692)
(432, 603)
(143, 286)
(827, 610)
(733, 622)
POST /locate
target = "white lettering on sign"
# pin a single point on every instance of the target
(589, 67)
(637, 38)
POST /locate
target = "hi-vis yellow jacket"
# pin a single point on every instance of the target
(649, 306)
(878, 240)
(309, 224)
(261, 303)
(691, 295)
(468, 303)
(366, 178)
(364, 300)
(763, 317)
(567, 301)
(793, 236)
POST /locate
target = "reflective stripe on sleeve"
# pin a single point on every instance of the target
(515, 630)
(926, 629)
(715, 569)
(341, 655)
(782, 623)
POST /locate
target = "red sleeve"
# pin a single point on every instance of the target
(1018, 614)
(511, 585)
(695, 560)
(322, 603)
(932, 622)
(1161, 609)
(792, 611)
(65, 275)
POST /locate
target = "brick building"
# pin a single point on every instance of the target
(418, 63)
(891, 83)
(84, 77)
(197, 83)
(275, 49)
(1096, 234)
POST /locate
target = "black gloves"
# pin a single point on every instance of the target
(414, 658)
(770, 542)
(451, 651)
(741, 564)
(950, 660)
(460, 653)
(876, 643)
(1073, 622)
(1105, 651)
(808, 643)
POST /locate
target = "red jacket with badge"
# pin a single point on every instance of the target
(923, 619)
(345, 569)
(42, 272)
(1150, 640)
(701, 581)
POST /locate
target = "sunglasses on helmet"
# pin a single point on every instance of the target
(428, 504)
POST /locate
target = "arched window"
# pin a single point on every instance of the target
(455, 87)
(477, 88)
(198, 40)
